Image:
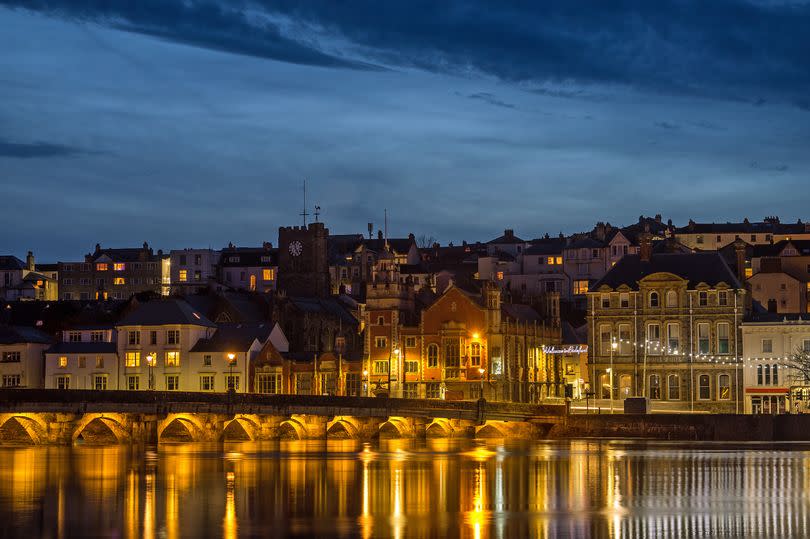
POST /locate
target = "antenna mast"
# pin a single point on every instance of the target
(304, 213)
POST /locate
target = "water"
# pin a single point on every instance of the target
(434, 488)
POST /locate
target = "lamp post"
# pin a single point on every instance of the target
(150, 362)
(613, 346)
(231, 358)
(365, 382)
(481, 376)
(396, 366)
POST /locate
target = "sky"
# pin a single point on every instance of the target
(194, 123)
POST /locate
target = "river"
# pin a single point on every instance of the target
(408, 488)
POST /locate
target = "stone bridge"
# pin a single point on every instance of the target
(50, 416)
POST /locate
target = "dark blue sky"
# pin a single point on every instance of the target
(194, 123)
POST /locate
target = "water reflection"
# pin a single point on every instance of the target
(404, 489)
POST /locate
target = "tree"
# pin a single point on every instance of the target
(425, 241)
(798, 367)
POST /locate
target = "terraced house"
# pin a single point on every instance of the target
(665, 325)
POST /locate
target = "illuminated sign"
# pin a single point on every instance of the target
(571, 349)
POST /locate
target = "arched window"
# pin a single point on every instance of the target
(380, 320)
(655, 386)
(704, 389)
(767, 375)
(672, 298)
(475, 354)
(724, 387)
(433, 355)
(605, 385)
(759, 375)
(775, 375)
(625, 385)
(654, 299)
(674, 385)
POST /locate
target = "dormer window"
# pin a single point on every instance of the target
(703, 298)
(654, 299)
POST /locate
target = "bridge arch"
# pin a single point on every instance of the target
(180, 428)
(439, 428)
(292, 429)
(100, 429)
(342, 428)
(23, 429)
(395, 427)
(491, 429)
(240, 429)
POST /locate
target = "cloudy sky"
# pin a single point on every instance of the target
(193, 123)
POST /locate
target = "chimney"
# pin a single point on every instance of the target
(509, 233)
(645, 246)
(379, 235)
(370, 230)
(739, 250)
(658, 218)
(29, 261)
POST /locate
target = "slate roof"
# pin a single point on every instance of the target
(10, 262)
(585, 243)
(331, 306)
(397, 245)
(763, 227)
(519, 312)
(22, 334)
(707, 267)
(164, 312)
(546, 246)
(234, 337)
(507, 238)
(125, 254)
(82, 348)
(248, 257)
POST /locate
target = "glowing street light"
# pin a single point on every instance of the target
(365, 382)
(613, 346)
(231, 360)
(151, 359)
(481, 376)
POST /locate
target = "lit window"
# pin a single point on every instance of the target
(433, 355)
(381, 342)
(119, 280)
(172, 382)
(119, 266)
(267, 275)
(475, 354)
(63, 361)
(62, 382)
(101, 267)
(580, 287)
(381, 367)
(183, 275)
(100, 382)
(132, 359)
(559, 260)
(133, 383)
(500, 276)
(172, 359)
(206, 382)
(551, 260)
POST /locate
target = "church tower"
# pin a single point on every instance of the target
(303, 265)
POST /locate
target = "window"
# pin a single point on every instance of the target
(775, 374)
(133, 382)
(551, 260)
(672, 298)
(380, 321)
(581, 287)
(433, 355)
(67, 282)
(673, 337)
(102, 267)
(197, 275)
(452, 358)
(653, 338)
(134, 338)
(605, 338)
(624, 300)
(182, 260)
(242, 276)
(74, 336)
(268, 383)
(232, 382)
(172, 382)
(559, 260)
(183, 277)
(380, 342)
(625, 346)
(674, 387)
(173, 336)
(655, 386)
(119, 266)
(82, 362)
(654, 299)
(96, 336)
(12, 380)
(475, 354)
(328, 383)
(119, 280)
(703, 338)
(433, 390)
(606, 301)
(207, 360)
(767, 346)
(340, 344)
(99, 362)
(172, 359)
(380, 366)
(63, 382)
(67, 296)
(132, 359)
(63, 362)
(767, 375)
(806, 345)
(410, 390)
(303, 383)
(759, 375)
(704, 390)
(724, 387)
(153, 337)
(753, 237)
(719, 238)
(722, 298)
(206, 382)
(499, 275)
(100, 382)
(353, 384)
(411, 366)
(703, 298)
(699, 240)
(410, 342)
(723, 338)
(267, 274)
(11, 357)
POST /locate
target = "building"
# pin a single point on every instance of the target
(714, 236)
(22, 356)
(665, 325)
(85, 357)
(115, 274)
(771, 386)
(249, 268)
(192, 270)
(153, 342)
(303, 262)
(26, 281)
(780, 276)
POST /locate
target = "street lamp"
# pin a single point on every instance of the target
(481, 375)
(231, 360)
(150, 361)
(365, 382)
(396, 365)
(613, 346)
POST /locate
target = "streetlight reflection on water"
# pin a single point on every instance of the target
(405, 488)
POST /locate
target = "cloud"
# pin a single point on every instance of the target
(491, 99)
(666, 125)
(30, 150)
(768, 167)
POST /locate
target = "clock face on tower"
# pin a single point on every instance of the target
(296, 248)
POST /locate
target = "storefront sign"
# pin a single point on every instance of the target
(572, 349)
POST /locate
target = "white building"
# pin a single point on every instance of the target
(21, 356)
(192, 269)
(767, 342)
(84, 358)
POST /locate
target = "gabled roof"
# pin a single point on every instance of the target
(10, 262)
(397, 245)
(519, 312)
(234, 338)
(330, 306)
(586, 243)
(546, 246)
(701, 267)
(508, 237)
(771, 226)
(164, 312)
(22, 334)
(82, 348)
